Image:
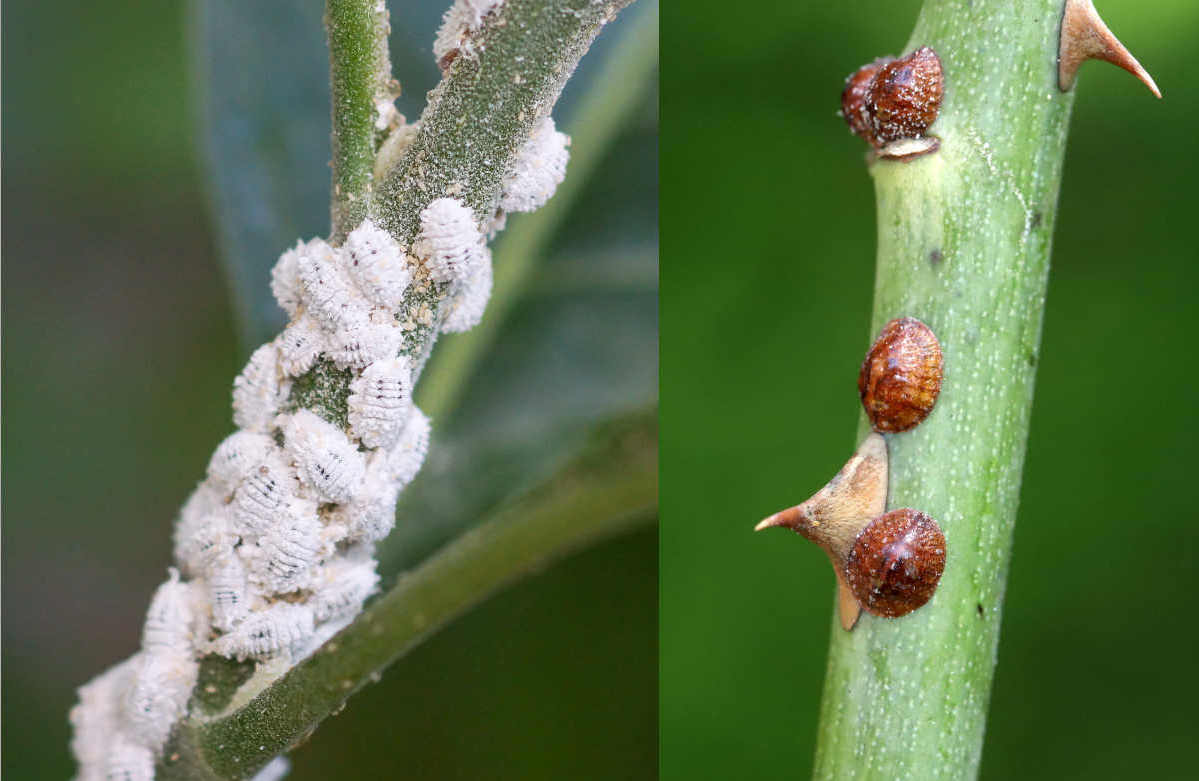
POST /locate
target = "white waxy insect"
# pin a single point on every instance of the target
(380, 400)
(449, 241)
(193, 517)
(370, 340)
(285, 280)
(201, 546)
(468, 301)
(235, 457)
(162, 684)
(263, 497)
(169, 620)
(286, 554)
(128, 761)
(282, 627)
(300, 344)
(404, 460)
(372, 516)
(328, 292)
(377, 265)
(329, 462)
(462, 19)
(97, 717)
(228, 592)
(539, 167)
(257, 391)
(342, 586)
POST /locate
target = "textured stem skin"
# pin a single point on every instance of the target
(612, 488)
(964, 240)
(360, 75)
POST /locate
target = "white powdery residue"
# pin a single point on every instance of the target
(286, 555)
(342, 586)
(379, 401)
(285, 280)
(162, 683)
(371, 339)
(539, 167)
(449, 241)
(257, 391)
(275, 770)
(464, 18)
(468, 301)
(393, 148)
(97, 718)
(300, 344)
(377, 264)
(280, 628)
(328, 293)
(127, 760)
(233, 459)
(329, 462)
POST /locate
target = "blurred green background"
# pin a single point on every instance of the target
(122, 332)
(767, 273)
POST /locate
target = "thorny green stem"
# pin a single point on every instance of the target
(629, 71)
(360, 80)
(964, 240)
(610, 489)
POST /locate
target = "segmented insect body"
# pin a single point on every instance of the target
(197, 552)
(372, 515)
(235, 457)
(342, 586)
(227, 592)
(169, 620)
(380, 400)
(128, 761)
(449, 241)
(469, 299)
(328, 292)
(204, 502)
(328, 460)
(287, 553)
(262, 498)
(377, 265)
(539, 167)
(162, 684)
(402, 462)
(300, 344)
(285, 280)
(282, 627)
(257, 391)
(97, 717)
(373, 339)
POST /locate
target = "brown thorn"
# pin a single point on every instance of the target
(1085, 37)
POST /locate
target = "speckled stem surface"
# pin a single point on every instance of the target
(964, 240)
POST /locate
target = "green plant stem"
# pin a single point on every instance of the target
(628, 72)
(360, 76)
(610, 489)
(964, 240)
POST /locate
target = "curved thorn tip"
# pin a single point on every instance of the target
(1084, 37)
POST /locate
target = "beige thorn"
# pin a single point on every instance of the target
(1085, 37)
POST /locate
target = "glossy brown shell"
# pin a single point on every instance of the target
(896, 562)
(905, 97)
(853, 98)
(901, 376)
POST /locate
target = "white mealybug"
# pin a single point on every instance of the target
(379, 401)
(449, 241)
(404, 460)
(128, 761)
(377, 264)
(468, 301)
(201, 546)
(462, 19)
(162, 684)
(328, 460)
(328, 293)
(256, 391)
(169, 620)
(97, 717)
(539, 167)
(286, 554)
(342, 586)
(204, 502)
(264, 495)
(374, 339)
(372, 516)
(285, 280)
(233, 459)
(264, 633)
(300, 344)
(227, 592)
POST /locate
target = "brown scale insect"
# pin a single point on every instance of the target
(892, 100)
(896, 562)
(901, 377)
